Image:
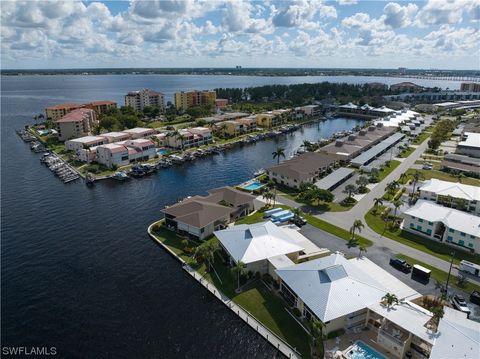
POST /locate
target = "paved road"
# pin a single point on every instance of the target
(346, 219)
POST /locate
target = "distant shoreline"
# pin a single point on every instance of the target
(467, 75)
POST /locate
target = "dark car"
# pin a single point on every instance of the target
(299, 221)
(475, 297)
(400, 264)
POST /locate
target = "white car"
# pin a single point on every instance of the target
(460, 304)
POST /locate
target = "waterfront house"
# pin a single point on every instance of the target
(139, 149)
(229, 128)
(455, 195)
(116, 136)
(112, 154)
(247, 124)
(338, 291)
(191, 137)
(139, 132)
(76, 123)
(200, 216)
(308, 111)
(271, 119)
(443, 224)
(265, 247)
(306, 168)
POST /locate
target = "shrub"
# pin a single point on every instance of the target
(156, 227)
(296, 312)
(335, 333)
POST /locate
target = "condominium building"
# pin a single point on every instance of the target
(185, 100)
(470, 86)
(470, 145)
(57, 111)
(138, 100)
(200, 216)
(125, 152)
(191, 137)
(140, 132)
(101, 107)
(455, 195)
(306, 168)
(78, 144)
(443, 224)
(76, 123)
(116, 136)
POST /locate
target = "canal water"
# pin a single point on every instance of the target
(79, 272)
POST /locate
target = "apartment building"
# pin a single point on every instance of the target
(191, 137)
(78, 144)
(443, 224)
(125, 152)
(456, 195)
(140, 132)
(470, 145)
(185, 100)
(76, 123)
(57, 111)
(138, 100)
(470, 86)
(116, 136)
(269, 120)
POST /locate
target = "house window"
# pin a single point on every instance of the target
(449, 238)
(419, 228)
(420, 220)
(462, 234)
(430, 223)
(412, 225)
(472, 237)
(461, 242)
(470, 244)
(429, 231)
(451, 230)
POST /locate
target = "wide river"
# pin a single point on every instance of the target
(79, 272)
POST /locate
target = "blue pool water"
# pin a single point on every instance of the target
(253, 186)
(162, 151)
(361, 350)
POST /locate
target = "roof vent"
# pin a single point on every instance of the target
(362, 133)
(371, 128)
(339, 143)
(379, 124)
(351, 138)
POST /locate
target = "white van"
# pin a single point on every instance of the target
(469, 267)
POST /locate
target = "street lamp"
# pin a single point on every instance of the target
(452, 254)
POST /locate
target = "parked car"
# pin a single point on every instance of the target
(427, 166)
(400, 264)
(299, 221)
(475, 297)
(460, 304)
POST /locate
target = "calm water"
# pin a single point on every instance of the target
(78, 270)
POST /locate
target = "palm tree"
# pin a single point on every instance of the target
(439, 286)
(360, 250)
(180, 138)
(350, 190)
(438, 313)
(268, 195)
(377, 201)
(392, 186)
(222, 127)
(403, 176)
(390, 299)
(460, 176)
(416, 176)
(280, 152)
(240, 268)
(396, 204)
(357, 225)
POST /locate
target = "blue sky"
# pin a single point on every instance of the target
(344, 33)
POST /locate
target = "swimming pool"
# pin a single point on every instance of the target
(361, 350)
(254, 185)
(162, 151)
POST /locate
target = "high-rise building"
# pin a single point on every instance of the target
(185, 100)
(138, 100)
(470, 86)
(58, 111)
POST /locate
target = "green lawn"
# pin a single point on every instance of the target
(385, 171)
(337, 231)
(441, 275)
(406, 152)
(256, 298)
(426, 245)
(421, 138)
(428, 174)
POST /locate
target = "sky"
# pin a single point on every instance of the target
(430, 34)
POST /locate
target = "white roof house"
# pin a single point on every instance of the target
(451, 218)
(458, 337)
(456, 190)
(256, 242)
(333, 286)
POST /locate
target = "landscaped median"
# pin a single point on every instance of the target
(442, 276)
(439, 250)
(256, 297)
(387, 169)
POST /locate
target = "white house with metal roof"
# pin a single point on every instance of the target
(470, 144)
(338, 291)
(255, 244)
(443, 224)
(458, 337)
(457, 195)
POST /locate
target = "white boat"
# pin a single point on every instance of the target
(120, 176)
(177, 159)
(259, 172)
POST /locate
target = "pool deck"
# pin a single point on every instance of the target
(343, 342)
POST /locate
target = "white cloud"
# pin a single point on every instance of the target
(399, 16)
(438, 12)
(347, 2)
(301, 14)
